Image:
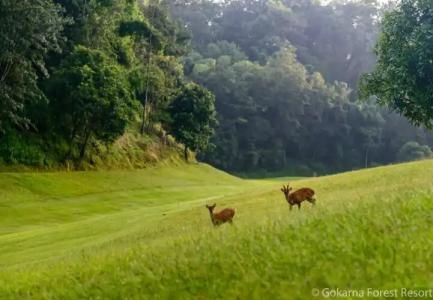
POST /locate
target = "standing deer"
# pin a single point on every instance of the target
(296, 198)
(226, 215)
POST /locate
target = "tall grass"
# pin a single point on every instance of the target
(369, 229)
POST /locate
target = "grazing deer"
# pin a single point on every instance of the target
(226, 215)
(296, 198)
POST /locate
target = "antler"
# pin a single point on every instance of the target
(287, 188)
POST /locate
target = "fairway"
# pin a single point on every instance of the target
(146, 234)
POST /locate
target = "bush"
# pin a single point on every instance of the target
(17, 149)
(414, 151)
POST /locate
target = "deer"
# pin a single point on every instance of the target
(226, 215)
(297, 197)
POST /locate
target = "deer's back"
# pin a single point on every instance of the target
(225, 214)
(302, 194)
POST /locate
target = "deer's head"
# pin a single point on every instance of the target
(211, 207)
(286, 190)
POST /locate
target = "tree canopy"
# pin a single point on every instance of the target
(90, 98)
(271, 85)
(193, 118)
(28, 31)
(285, 76)
(97, 65)
(403, 76)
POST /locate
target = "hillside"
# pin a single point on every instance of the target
(146, 234)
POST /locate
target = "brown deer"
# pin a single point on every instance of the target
(226, 215)
(296, 198)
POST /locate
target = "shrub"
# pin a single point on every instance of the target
(413, 151)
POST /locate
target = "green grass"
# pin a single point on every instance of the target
(146, 234)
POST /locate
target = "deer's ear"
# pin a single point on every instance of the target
(282, 190)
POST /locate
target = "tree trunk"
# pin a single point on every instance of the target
(143, 120)
(146, 97)
(366, 156)
(68, 154)
(84, 146)
(70, 143)
(185, 152)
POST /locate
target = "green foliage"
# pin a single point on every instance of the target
(103, 57)
(273, 66)
(23, 150)
(90, 98)
(193, 118)
(142, 31)
(414, 151)
(335, 39)
(282, 73)
(29, 30)
(278, 114)
(173, 34)
(158, 77)
(402, 78)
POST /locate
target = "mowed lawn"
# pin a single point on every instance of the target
(147, 235)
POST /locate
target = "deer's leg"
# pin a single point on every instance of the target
(299, 206)
(291, 206)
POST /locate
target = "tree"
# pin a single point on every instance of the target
(403, 78)
(272, 66)
(91, 99)
(193, 117)
(414, 151)
(29, 30)
(157, 45)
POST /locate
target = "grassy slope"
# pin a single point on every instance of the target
(146, 234)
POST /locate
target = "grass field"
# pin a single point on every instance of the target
(147, 235)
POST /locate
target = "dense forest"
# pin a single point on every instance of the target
(265, 85)
(76, 76)
(285, 75)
